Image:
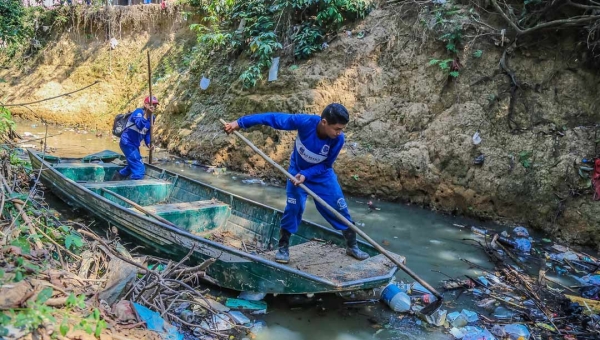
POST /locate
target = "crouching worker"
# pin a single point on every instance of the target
(318, 143)
(136, 130)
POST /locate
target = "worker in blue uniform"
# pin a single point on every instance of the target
(316, 148)
(136, 130)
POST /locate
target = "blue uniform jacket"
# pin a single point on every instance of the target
(137, 129)
(312, 157)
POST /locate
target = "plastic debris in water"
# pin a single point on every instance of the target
(251, 296)
(239, 317)
(395, 298)
(523, 245)
(517, 331)
(245, 304)
(254, 181)
(521, 231)
(204, 83)
(274, 69)
(503, 313)
(218, 322)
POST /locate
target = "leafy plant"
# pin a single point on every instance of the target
(255, 28)
(11, 24)
(478, 54)
(75, 301)
(67, 236)
(306, 42)
(6, 121)
(448, 26)
(445, 65)
(524, 158)
(33, 316)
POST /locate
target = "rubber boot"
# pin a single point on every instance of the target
(283, 254)
(117, 176)
(352, 245)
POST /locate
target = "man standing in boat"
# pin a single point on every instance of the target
(317, 146)
(136, 130)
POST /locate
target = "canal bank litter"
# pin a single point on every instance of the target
(59, 279)
(517, 299)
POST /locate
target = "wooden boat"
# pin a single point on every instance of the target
(240, 234)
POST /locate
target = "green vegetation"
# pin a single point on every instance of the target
(447, 21)
(525, 158)
(260, 30)
(31, 239)
(11, 21)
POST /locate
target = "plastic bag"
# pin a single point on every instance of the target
(476, 138)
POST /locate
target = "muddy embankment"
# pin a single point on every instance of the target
(410, 138)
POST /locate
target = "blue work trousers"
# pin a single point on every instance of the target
(135, 165)
(330, 192)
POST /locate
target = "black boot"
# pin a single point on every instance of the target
(283, 254)
(352, 245)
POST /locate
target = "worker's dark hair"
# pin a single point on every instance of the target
(335, 114)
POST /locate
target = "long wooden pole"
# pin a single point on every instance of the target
(151, 103)
(349, 225)
(138, 207)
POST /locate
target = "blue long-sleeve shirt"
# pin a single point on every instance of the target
(137, 129)
(313, 157)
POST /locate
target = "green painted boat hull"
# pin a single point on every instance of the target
(201, 213)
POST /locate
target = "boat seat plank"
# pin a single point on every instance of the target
(329, 261)
(84, 172)
(127, 183)
(143, 192)
(197, 217)
(184, 206)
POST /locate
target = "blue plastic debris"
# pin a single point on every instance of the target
(245, 304)
(523, 245)
(521, 232)
(588, 279)
(155, 323)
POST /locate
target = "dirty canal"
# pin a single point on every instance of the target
(435, 246)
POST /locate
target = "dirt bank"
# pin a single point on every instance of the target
(410, 138)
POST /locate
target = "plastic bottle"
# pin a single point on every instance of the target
(395, 298)
(460, 321)
(479, 231)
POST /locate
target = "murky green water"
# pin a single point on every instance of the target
(431, 242)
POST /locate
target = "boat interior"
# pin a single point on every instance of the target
(222, 217)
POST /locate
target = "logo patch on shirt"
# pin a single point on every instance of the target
(324, 150)
(291, 200)
(308, 155)
(342, 203)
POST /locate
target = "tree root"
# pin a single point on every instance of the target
(513, 89)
